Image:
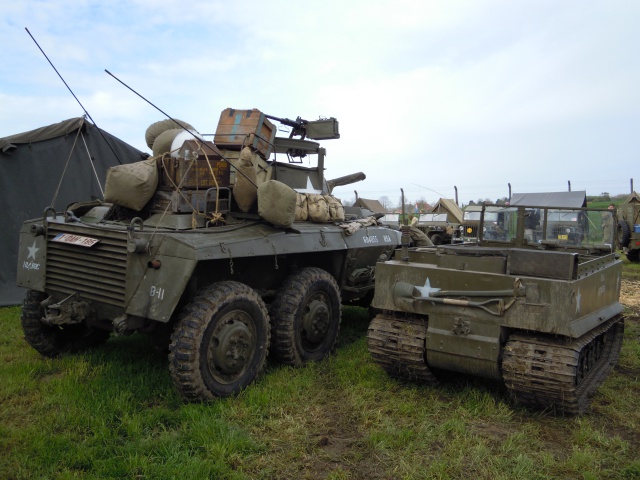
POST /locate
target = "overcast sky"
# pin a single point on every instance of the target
(429, 94)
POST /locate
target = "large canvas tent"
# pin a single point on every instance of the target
(31, 171)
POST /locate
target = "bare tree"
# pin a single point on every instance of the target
(385, 202)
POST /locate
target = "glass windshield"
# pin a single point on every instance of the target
(475, 216)
(579, 227)
(433, 217)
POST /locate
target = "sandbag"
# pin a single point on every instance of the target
(336, 210)
(157, 128)
(302, 212)
(277, 203)
(245, 191)
(131, 185)
(163, 142)
(419, 238)
(318, 208)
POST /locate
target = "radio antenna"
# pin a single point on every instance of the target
(74, 96)
(154, 106)
(179, 124)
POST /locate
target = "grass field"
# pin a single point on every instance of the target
(113, 413)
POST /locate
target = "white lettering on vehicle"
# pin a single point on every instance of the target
(157, 292)
(370, 239)
(31, 266)
(387, 238)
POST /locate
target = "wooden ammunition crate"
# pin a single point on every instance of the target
(193, 171)
(242, 128)
(187, 201)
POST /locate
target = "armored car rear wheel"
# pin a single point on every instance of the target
(220, 342)
(551, 373)
(306, 317)
(53, 340)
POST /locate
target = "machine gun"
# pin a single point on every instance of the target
(322, 129)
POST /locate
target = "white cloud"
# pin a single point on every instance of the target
(436, 94)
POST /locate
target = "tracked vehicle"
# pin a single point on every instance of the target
(222, 258)
(541, 315)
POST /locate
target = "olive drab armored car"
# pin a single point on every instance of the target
(224, 250)
(537, 311)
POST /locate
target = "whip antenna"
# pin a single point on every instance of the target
(74, 96)
(179, 124)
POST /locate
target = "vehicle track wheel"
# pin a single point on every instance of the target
(624, 233)
(220, 342)
(53, 341)
(306, 317)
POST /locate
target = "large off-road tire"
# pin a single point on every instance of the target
(436, 239)
(53, 341)
(624, 233)
(220, 342)
(306, 317)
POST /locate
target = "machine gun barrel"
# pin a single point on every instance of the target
(298, 123)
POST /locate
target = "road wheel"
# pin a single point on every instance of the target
(633, 256)
(53, 341)
(436, 239)
(220, 342)
(306, 317)
(624, 233)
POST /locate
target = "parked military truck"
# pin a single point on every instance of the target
(228, 255)
(442, 223)
(471, 221)
(628, 228)
(541, 316)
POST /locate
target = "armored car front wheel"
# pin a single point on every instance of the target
(306, 317)
(54, 340)
(220, 342)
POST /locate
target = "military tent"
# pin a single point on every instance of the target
(451, 208)
(31, 170)
(374, 205)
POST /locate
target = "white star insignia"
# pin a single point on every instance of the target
(427, 289)
(309, 188)
(32, 251)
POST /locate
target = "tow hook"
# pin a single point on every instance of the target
(68, 311)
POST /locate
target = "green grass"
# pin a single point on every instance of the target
(113, 413)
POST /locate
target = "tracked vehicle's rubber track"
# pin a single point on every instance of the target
(399, 346)
(544, 372)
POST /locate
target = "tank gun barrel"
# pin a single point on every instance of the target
(346, 180)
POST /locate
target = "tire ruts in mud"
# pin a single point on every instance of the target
(542, 372)
(398, 345)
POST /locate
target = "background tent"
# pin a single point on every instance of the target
(31, 168)
(451, 208)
